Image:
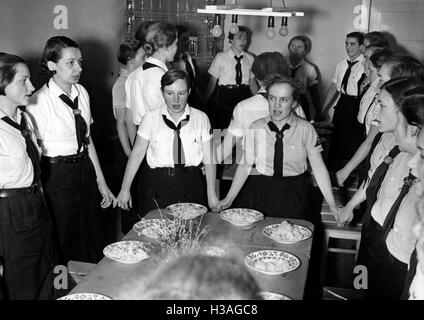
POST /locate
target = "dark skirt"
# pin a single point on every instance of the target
(347, 131)
(226, 102)
(410, 275)
(160, 187)
(287, 197)
(72, 198)
(26, 248)
(386, 274)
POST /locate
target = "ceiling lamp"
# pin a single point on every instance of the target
(241, 11)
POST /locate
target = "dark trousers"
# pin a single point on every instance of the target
(26, 248)
(158, 188)
(226, 102)
(386, 274)
(347, 131)
(304, 103)
(287, 197)
(72, 198)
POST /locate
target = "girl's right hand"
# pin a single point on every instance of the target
(123, 200)
(344, 216)
(224, 204)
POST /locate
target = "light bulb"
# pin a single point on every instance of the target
(270, 33)
(284, 31)
(234, 29)
(216, 31)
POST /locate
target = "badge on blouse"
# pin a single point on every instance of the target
(319, 142)
(76, 111)
(388, 160)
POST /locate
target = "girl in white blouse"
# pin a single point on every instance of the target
(72, 176)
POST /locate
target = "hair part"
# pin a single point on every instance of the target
(269, 63)
(302, 38)
(283, 79)
(241, 29)
(8, 63)
(53, 51)
(173, 75)
(159, 35)
(377, 38)
(359, 36)
(408, 95)
(405, 66)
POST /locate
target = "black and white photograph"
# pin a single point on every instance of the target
(212, 154)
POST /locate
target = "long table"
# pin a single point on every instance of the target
(117, 280)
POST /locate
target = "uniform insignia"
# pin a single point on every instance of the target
(319, 142)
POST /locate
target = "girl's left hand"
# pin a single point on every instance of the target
(107, 195)
(213, 202)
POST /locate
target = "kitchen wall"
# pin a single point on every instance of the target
(326, 22)
(98, 26)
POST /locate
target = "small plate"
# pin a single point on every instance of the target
(292, 234)
(85, 296)
(127, 251)
(186, 210)
(241, 217)
(153, 228)
(267, 295)
(272, 262)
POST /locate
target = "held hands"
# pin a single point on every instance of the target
(344, 216)
(107, 195)
(213, 202)
(123, 200)
(225, 204)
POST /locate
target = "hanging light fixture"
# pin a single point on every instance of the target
(284, 31)
(234, 26)
(270, 32)
(217, 30)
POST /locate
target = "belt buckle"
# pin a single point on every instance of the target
(171, 171)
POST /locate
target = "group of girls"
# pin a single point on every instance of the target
(391, 111)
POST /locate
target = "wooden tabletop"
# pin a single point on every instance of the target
(117, 280)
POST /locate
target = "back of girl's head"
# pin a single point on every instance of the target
(8, 64)
(140, 33)
(53, 51)
(125, 53)
(377, 38)
(408, 95)
(405, 66)
(159, 35)
(173, 75)
(269, 63)
(379, 55)
(202, 277)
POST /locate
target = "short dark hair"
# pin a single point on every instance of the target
(8, 64)
(379, 56)
(53, 51)
(357, 35)
(173, 75)
(241, 29)
(377, 38)
(125, 53)
(281, 79)
(302, 38)
(408, 95)
(269, 63)
(405, 66)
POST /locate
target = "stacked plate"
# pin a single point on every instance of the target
(85, 296)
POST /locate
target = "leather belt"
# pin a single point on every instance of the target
(17, 192)
(75, 158)
(233, 86)
(172, 171)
